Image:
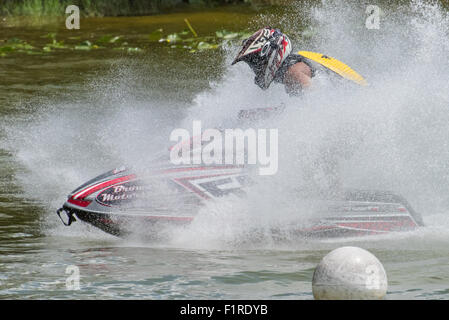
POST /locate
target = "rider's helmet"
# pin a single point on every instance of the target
(264, 52)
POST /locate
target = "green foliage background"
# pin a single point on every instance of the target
(112, 7)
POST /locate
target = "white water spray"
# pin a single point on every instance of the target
(391, 135)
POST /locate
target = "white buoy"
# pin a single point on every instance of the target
(349, 273)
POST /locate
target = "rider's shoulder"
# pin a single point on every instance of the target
(293, 59)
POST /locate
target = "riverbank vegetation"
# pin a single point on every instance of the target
(187, 39)
(100, 8)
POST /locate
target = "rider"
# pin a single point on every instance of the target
(268, 53)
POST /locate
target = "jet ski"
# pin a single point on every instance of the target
(119, 200)
(122, 202)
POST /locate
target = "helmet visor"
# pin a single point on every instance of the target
(251, 45)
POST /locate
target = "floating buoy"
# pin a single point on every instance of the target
(349, 273)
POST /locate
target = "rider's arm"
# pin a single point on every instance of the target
(297, 77)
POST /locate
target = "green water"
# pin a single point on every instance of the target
(35, 249)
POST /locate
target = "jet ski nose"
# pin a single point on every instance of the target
(70, 217)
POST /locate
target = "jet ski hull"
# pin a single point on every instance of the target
(119, 202)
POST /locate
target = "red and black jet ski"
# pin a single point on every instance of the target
(121, 201)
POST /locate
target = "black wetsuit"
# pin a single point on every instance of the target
(288, 62)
